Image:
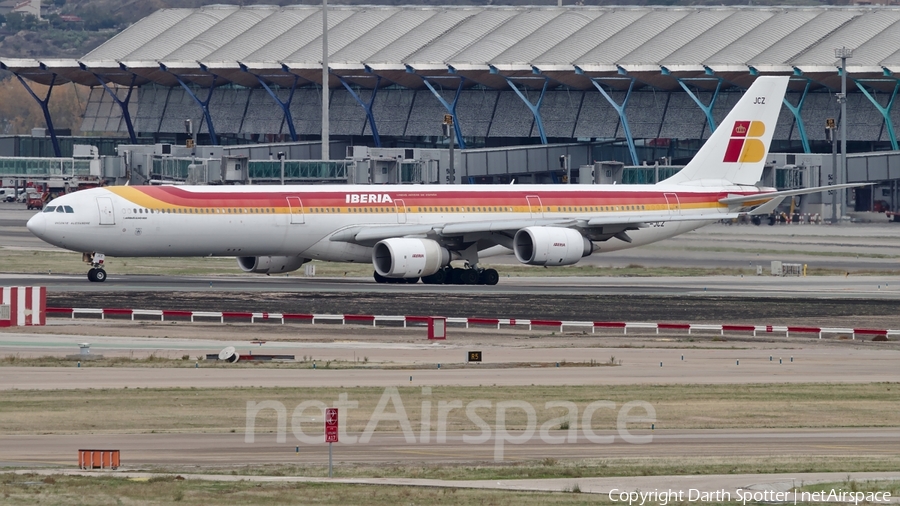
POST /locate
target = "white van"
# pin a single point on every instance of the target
(8, 194)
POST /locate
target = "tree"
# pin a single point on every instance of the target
(19, 113)
(17, 21)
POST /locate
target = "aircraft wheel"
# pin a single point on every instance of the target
(468, 277)
(456, 276)
(756, 220)
(489, 277)
(100, 275)
(92, 275)
(379, 278)
(772, 220)
(411, 281)
(440, 277)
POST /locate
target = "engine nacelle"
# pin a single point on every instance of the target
(408, 257)
(550, 246)
(270, 265)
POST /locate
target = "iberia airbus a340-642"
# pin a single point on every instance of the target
(412, 232)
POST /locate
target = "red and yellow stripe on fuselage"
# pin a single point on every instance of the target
(308, 200)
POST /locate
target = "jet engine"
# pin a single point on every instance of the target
(550, 246)
(270, 265)
(408, 257)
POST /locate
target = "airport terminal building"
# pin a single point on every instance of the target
(636, 85)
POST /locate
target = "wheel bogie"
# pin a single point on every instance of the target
(450, 276)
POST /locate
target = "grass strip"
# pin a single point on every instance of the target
(222, 410)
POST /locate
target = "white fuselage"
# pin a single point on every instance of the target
(300, 220)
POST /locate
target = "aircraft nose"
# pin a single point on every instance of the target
(37, 224)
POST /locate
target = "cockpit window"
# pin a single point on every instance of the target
(69, 209)
(49, 209)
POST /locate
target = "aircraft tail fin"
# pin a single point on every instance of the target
(736, 151)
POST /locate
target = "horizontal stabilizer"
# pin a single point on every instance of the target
(762, 197)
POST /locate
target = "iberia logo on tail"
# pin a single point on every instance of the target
(746, 144)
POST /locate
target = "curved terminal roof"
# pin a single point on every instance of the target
(490, 46)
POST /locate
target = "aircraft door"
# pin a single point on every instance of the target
(295, 206)
(534, 206)
(672, 203)
(107, 216)
(401, 210)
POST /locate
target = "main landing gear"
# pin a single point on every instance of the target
(96, 274)
(450, 276)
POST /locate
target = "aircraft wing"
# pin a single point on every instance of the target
(596, 226)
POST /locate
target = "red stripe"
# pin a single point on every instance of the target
(442, 198)
(60, 310)
(810, 330)
(418, 319)
(610, 325)
(236, 314)
(174, 312)
(547, 323)
(870, 332)
(14, 306)
(484, 321)
(359, 318)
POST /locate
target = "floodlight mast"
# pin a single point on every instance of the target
(843, 53)
(325, 89)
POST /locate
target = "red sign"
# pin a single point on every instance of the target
(331, 425)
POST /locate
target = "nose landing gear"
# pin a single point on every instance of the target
(96, 274)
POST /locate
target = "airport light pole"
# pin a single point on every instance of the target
(830, 125)
(449, 132)
(325, 127)
(843, 53)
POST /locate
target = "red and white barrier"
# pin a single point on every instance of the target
(374, 320)
(27, 305)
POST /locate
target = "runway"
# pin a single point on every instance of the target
(232, 449)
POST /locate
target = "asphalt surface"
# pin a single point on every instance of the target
(224, 449)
